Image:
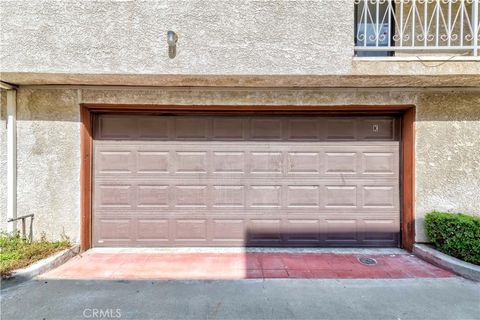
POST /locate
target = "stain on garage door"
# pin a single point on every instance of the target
(245, 181)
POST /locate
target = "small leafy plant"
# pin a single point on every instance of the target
(16, 253)
(455, 234)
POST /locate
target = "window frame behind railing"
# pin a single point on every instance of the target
(416, 30)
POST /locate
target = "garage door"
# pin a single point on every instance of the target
(245, 181)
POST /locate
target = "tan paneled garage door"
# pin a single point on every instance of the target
(245, 181)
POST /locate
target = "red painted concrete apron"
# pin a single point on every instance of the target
(96, 265)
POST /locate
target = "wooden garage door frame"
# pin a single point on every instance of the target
(407, 164)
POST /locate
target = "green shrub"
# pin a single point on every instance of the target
(455, 234)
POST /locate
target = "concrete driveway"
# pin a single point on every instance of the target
(113, 264)
(265, 284)
(420, 298)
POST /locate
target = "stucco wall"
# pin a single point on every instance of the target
(265, 42)
(215, 37)
(447, 154)
(48, 151)
(447, 145)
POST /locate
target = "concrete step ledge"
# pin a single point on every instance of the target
(335, 250)
(460, 267)
(42, 266)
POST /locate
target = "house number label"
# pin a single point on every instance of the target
(375, 128)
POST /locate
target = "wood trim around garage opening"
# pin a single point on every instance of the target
(86, 140)
(407, 179)
(407, 165)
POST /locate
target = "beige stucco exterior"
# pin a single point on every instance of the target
(120, 42)
(215, 37)
(447, 154)
(447, 144)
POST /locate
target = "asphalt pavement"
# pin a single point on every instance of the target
(421, 298)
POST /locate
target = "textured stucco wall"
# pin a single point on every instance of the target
(447, 154)
(265, 42)
(447, 144)
(3, 160)
(215, 37)
(48, 155)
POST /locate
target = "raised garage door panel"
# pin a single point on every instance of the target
(240, 181)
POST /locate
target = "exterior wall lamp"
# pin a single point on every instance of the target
(172, 39)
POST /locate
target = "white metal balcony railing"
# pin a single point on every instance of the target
(427, 26)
